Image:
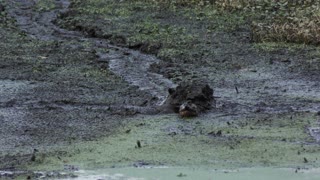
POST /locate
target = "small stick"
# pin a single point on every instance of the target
(236, 89)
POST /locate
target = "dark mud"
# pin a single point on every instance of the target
(128, 64)
(61, 87)
(66, 93)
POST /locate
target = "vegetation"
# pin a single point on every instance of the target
(278, 20)
(185, 31)
(272, 20)
(45, 5)
(176, 35)
(266, 140)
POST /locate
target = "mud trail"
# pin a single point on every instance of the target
(131, 65)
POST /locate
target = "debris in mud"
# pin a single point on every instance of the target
(215, 134)
(1, 7)
(2, 18)
(140, 124)
(151, 48)
(119, 40)
(33, 157)
(138, 144)
(237, 90)
(35, 175)
(68, 167)
(190, 98)
(141, 164)
(315, 133)
(128, 131)
(181, 175)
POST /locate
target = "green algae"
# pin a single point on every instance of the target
(171, 141)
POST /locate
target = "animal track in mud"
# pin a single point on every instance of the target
(129, 64)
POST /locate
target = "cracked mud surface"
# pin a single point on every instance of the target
(60, 87)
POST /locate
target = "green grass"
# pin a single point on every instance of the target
(45, 5)
(274, 46)
(181, 32)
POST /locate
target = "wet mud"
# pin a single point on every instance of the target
(52, 98)
(81, 86)
(128, 64)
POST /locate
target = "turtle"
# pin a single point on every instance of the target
(188, 109)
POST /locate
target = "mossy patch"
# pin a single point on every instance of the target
(45, 5)
(210, 141)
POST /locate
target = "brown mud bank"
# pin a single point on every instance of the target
(74, 96)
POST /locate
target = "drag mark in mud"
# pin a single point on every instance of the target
(131, 65)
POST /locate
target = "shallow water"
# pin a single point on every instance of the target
(196, 173)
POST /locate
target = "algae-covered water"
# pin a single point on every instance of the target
(196, 173)
(166, 140)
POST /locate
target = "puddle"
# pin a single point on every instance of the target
(198, 173)
(175, 173)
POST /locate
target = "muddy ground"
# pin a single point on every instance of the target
(83, 91)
